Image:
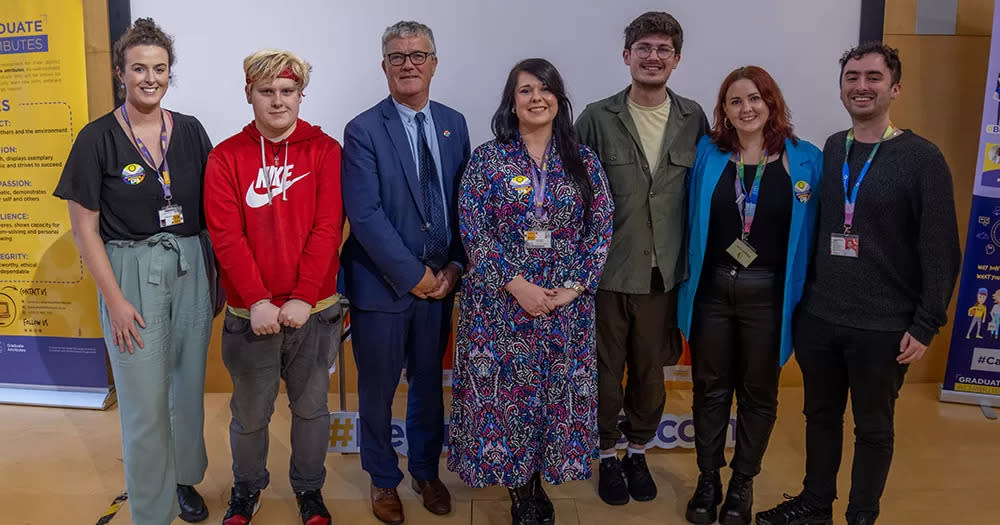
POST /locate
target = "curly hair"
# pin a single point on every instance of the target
(890, 54)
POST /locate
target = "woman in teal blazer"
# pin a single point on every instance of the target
(753, 209)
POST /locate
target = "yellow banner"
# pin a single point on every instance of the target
(47, 299)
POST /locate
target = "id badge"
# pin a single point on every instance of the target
(844, 245)
(171, 215)
(742, 252)
(538, 239)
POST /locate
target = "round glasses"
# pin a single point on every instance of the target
(644, 51)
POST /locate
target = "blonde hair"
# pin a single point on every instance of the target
(267, 64)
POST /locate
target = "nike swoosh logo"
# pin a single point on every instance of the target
(256, 200)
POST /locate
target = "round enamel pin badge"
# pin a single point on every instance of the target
(133, 174)
(521, 184)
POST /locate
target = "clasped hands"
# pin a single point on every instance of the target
(436, 285)
(538, 301)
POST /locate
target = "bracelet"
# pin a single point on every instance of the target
(575, 286)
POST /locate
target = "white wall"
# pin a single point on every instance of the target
(478, 42)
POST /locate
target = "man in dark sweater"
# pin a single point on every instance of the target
(885, 266)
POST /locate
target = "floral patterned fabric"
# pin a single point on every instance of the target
(524, 392)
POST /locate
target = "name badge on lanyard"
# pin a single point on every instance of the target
(848, 244)
(171, 214)
(539, 236)
(740, 249)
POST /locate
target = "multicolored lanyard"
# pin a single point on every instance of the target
(163, 170)
(539, 179)
(852, 199)
(747, 202)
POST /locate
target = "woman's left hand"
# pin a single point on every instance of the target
(563, 296)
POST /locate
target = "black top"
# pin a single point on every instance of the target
(771, 224)
(106, 173)
(909, 256)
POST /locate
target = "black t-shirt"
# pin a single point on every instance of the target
(106, 173)
(769, 232)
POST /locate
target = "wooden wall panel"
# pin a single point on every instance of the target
(975, 17)
(900, 17)
(100, 99)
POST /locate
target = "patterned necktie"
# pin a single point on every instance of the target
(436, 246)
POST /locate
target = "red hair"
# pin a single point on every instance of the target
(779, 123)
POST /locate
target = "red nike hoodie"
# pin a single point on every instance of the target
(275, 215)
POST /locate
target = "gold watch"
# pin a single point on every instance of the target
(575, 286)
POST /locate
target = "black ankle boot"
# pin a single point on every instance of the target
(523, 508)
(702, 507)
(192, 505)
(739, 501)
(546, 511)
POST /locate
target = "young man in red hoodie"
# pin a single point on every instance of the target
(275, 215)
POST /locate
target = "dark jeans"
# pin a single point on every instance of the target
(735, 346)
(302, 357)
(834, 360)
(640, 331)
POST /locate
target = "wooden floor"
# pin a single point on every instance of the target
(64, 466)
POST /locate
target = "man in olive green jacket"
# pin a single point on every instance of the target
(645, 137)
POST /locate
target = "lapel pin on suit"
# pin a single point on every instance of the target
(446, 133)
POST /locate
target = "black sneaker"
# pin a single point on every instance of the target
(243, 504)
(611, 485)
(192, 505)
(701, 508)
(640, 483)
(311, 508)
(796, 511)
(737, 510)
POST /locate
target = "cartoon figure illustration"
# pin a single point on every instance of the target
(978, 314)
(994, 326)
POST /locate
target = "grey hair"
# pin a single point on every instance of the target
(407, 29)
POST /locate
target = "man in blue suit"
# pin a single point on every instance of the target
(401, 167)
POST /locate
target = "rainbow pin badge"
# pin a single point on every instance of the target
(133, 174)
(447, 133)
(802, 191)
(521, 184)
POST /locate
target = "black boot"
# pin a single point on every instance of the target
(739, 501)
(797, 510)
(611, 486)
(546, 511)
(862, 518)
(701, 508)
(192, 505)
(523, 509)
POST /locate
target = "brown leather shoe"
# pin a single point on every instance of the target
(386, 505)
(437, 499)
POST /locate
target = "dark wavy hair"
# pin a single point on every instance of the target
(779, 123)
(505, 123)
(655, 23)
(890, 54)
(144, 32)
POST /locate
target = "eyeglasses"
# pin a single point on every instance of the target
(644, 51)
(416, 57)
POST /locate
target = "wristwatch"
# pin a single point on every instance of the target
(575, 286)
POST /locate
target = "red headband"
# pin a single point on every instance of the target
(285, 73)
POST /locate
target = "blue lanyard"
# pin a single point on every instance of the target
(845, 172)
(747, 202)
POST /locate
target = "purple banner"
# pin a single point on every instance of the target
(974, 357)
(53, 361)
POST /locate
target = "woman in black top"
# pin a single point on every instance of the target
(752, 217)
(133, 184)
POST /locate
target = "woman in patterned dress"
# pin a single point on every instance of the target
(535, 217)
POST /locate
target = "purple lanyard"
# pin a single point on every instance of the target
(539, 179)
(164, 170)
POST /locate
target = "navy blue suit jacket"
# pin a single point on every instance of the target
(384, 204)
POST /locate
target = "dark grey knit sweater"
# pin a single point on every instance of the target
(909, 252)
